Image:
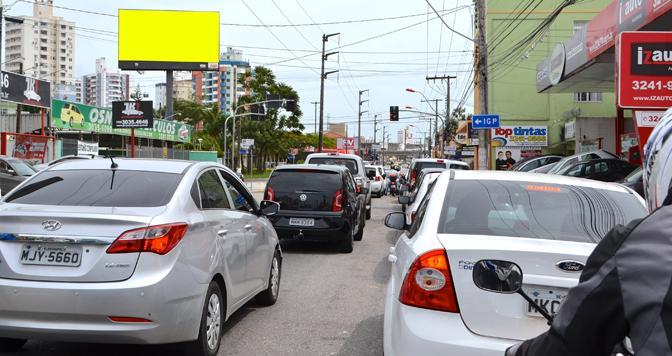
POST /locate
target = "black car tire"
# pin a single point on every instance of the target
(360, 233)
(345, 245)
(11, 345)
(270, 295)
(199, 347)
(368, 213)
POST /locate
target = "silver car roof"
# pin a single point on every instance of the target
(150, 165)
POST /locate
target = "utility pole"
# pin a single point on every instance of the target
(169, 93)
(315, 104)
(359, 121)
(375, 126)
(323, 76)
(436, 122)
(481, 81)
(447, 78)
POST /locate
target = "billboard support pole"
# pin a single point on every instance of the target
(169, 93)
(42, 120)
(132, 143)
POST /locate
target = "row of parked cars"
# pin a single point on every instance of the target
(465, 234)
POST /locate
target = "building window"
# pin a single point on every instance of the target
(579, 25)
(588, 97)
(44, 56)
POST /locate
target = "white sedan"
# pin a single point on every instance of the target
(548, 225)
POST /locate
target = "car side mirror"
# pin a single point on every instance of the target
(404, 199)
(269, 207)
(498, 276)
(11, 171)
(396, 221)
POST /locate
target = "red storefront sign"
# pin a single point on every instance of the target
(30, 147)
(644, 70)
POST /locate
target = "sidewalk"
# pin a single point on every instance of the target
(256, 185)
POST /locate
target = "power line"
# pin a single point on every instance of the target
(71, 9)
(444, 22)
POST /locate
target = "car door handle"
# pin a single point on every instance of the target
(222, 233)
(248, 227)
(392, 258)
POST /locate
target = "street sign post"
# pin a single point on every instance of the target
(485, 122)
(132, 115)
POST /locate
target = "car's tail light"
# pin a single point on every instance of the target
(128, 319)
(429, 284)
(159, 239)
(337, 202)
(269, 194)
(359, 184)
(413, 215)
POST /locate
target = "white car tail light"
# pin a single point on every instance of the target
(159, 239)
(429, 284)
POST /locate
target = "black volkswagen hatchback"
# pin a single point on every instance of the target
(317, 203)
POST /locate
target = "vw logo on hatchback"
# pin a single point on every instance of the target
(303, 197)
(51, 225)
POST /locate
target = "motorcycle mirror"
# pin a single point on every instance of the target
(498, 276)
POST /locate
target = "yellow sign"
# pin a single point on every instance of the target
(168, 40)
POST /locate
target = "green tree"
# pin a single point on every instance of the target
(277, 131)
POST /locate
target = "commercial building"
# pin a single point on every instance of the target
(534, 123)
(105, 86)
(222, 87)
(339, 128)
(68, 92)
(587, 62)
(183, 89)
(43, 46)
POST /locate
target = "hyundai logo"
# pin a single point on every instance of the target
(51, 225)
(570, 266)
(303, 197)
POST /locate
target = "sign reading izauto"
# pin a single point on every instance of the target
(512, 136)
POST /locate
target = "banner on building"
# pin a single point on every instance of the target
(87, 148)
(644, 62)
(79, 117)
(25, 90)
(346, 143)
(30, 147)
(520, 136)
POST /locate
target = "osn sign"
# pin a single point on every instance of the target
(520, 136)
(644, 62)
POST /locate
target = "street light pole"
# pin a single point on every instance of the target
(375, 125)
(323, 76)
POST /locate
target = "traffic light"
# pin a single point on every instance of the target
(394, 113)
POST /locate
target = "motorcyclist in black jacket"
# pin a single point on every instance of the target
(626, 288)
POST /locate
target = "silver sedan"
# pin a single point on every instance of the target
(132, 251)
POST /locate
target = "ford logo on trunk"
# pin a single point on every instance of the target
(570, 266)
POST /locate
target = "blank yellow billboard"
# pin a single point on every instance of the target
(168, 40)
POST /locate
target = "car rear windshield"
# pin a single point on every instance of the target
(109, 188)
(535, 210)
(371, 171)
(335, 161)
(305, 180)
(459, 167)
(422, 165)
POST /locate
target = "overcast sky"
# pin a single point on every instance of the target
(385, 65)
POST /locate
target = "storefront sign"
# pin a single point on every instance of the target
(520, 136)
(30, 147)
(132, 114)
(346, 143)
(25, 90)
(79, 117)
(644, 62)
(648, 118)
(570, 130)
(87, 148)
(556, 66)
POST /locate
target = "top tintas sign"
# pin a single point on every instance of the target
(644, 62)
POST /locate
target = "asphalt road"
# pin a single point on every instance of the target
(329, 304)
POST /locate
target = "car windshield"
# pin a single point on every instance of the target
(22, 168)
(110, 188)
(535, 210)
(335, 161)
